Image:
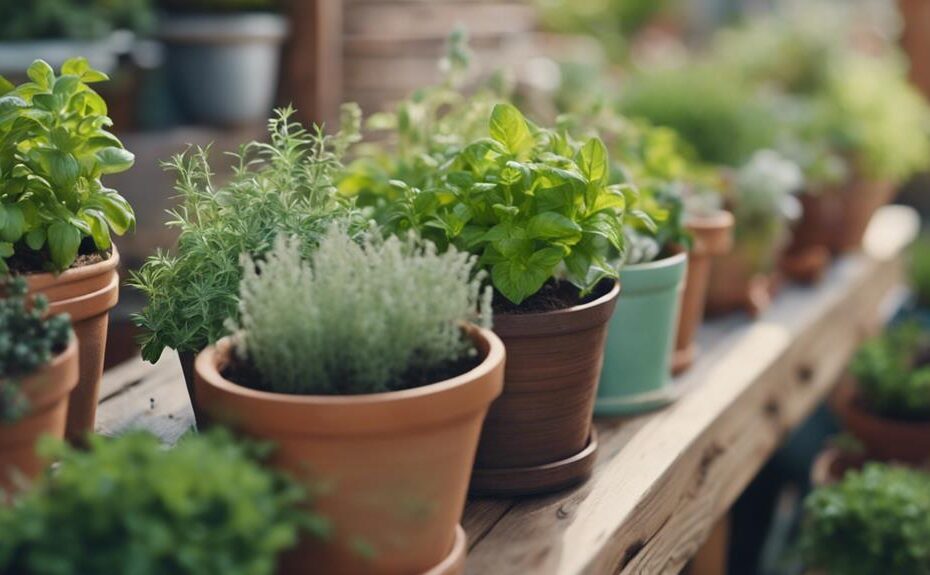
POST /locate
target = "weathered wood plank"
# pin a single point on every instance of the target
(662, 480)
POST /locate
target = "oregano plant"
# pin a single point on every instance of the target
(54, 149)
(532, 203)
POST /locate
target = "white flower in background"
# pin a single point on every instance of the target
(765, 185)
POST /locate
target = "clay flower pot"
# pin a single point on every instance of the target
(47, 391)
(391, 469)
(883, 438)
(858, 203)
(744, 278)
(638, 355)
(538, 435)
(808, 254)
(831, 465)
(712, 236)
(87, 294)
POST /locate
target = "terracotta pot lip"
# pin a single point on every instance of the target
(612, 293)
(41, 279)
(667, 262)
(846, 397)
(207, 360)
(719, 219)
(60, 385)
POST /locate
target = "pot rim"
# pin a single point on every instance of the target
(231, 28)
(719, 219)
(667, 262)
(206, 370)
(41, 280)
(576, 308)
(561, 321)
(844, 401)
(58, 386)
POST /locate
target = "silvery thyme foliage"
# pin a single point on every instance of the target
(283, 186)
(353, 318)
(27, 342)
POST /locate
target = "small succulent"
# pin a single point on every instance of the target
(28, 340)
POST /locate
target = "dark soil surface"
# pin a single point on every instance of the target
(27, 261)
(554, 295)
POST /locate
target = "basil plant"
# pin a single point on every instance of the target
(54, 148)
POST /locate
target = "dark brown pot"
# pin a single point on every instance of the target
(915, 39)
(712, 236)
(885, 439)
(856, 207)
(47, 392)
(538, 434)
(87, 294)
(808, 254)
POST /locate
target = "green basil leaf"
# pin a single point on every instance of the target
(117, 210)
(6, 86)
(42, 74)
(63, 243)
(12, 229)
(552, 225)
(114, 160)
(592, 159)
(99, 228)
(509, 127)
(75, 66)
(6, 250)
(35, 239)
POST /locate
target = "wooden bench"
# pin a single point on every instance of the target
(662, 480)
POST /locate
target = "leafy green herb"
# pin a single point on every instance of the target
(893, 373)
(874, 521)
(72, 19)
(28, 341)
(54, 148)
(285, 186)
(129, 505)
(221, 6)
(380, 316)
(532, 203)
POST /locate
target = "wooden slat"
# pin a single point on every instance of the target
(662, 480)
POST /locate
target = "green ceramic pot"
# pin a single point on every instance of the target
(637, 360)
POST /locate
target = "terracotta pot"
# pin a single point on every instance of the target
(744, 279)
(885, 439)
(915, 39)
(391, 468)
(636, 375)
(856, 207)
(538, 434)
(831, 465)
(712, 236)
(47, 391)
(808, 254)
(87, 294)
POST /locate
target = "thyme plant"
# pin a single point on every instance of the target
(128, 505)
(28, 341)
(349, 319)
(286, 185)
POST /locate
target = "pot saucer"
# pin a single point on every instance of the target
(806, 266)
(683, 358)
(538, 479)
(636, 404)
(454, 563)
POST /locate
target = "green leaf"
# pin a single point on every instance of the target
(509, 127)
(66, 86)
(14, 224)
(62, 169)
(592, 159)
(117, 210)
(552, 225)
(35, 239)
(75, 66)
(6, 249)
(99, 228)
(6, 86)
(518, 281)
(114, 160)
(42, 74)
(63, 243)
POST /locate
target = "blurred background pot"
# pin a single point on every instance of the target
(859, 202)
(46, 392)
(390, 470)
(223, 68)
(86, 293)
(538, 435)
(808, 254)
(712, 236)
(16, 57)
(641, 338)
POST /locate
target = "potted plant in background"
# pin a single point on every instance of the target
(57, 215)
(361, 363)
(56, 30)
(885, 403)
(130, 505)
(223, 57)
(761, 200)
(536, 207)
(286, 185)
(38, 363)
(876, 520)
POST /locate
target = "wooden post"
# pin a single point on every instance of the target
(312, 71)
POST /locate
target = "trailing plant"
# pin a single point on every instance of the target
(128, 505)
(712, 110)
(873, 521)
(54, 148)
(381, 316)
(534, 204)
(286, 185)
(28, 341)
(72, 19)
(420, 134)
(893, 373)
